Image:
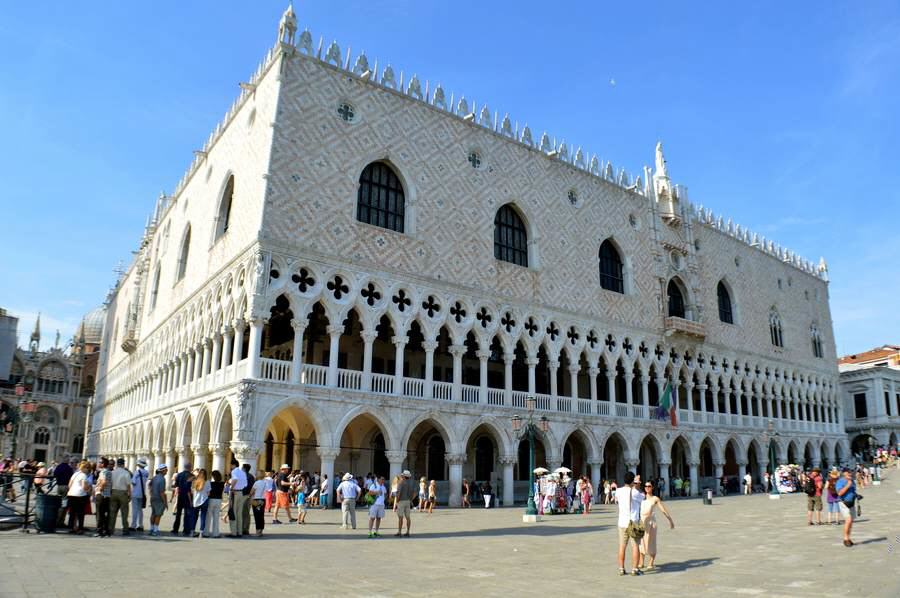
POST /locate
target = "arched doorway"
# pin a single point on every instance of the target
(680, 467)
(807, 457)
(648, 466)
(823, 452)
(575, 454)
(730, 469)
(838, 454)
(861, 446)
(613, 467)
(363, 447)
(426, 450)
(295, 424)
(792, 453)
(753, 462)
(540, 458)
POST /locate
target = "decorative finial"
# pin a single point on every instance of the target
(287, 27)
(661, 170)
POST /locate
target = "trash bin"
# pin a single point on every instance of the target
(46, 510)
(707, 496)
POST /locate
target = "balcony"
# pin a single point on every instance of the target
(690, 328)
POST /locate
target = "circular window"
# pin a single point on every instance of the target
(346, 112)
(474, 159)
(573, 197)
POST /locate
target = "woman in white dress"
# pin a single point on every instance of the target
(648, 518)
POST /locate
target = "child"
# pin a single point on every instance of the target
(301, 508)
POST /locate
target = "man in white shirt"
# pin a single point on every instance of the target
(748, 483)
(238, 483)
(629, 498)
(120, 497)
(347, 491)
(376, 511)
(324, 491)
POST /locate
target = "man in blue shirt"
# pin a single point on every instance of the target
(846, 491)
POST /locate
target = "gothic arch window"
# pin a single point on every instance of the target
(78, 444)
(816, 339)
(223, 218)
(510, 236)
(183, 254)
(42, 436)
(725, 311)
(675, 300)
(154, 288)
(381, 200)
(611, 274)
(775, 329)
(52, 378)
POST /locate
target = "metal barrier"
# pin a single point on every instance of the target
(23, 489)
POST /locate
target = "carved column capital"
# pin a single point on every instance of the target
(327, 453)
(335, 330)
(454, 458)
(507, 460)
(395, 456)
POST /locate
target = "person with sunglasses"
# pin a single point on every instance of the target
(648, 517)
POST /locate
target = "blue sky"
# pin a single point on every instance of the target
(780, 115)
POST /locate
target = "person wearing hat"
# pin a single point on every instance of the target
(159, 503)
(120, 497)
(138, 496)
(406, 489)
(347, 491)
(282, 493)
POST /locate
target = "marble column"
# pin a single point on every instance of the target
(239, 326)
(664, 474)
(246, 453)
(455, 462)
(299, 327)
(200, 452)
(595, 480)
(327, 455)
(218, 460)
(508, 360)
(611, 389)
(574, 370)
(368, 337)
(508, 462)
(395, 461)
(227, 346)
(216, 358)
(553, 366)
(399, 346)
(531, 362)
(457, 351)
(695, 478)
(334, 335)
(429, 346)
(256, 330)
(482, 375)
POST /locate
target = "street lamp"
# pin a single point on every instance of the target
(527, 428)
(769, 439)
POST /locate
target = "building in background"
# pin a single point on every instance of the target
(56, 386)
(362, 271)
(870, 390)
(8, 329)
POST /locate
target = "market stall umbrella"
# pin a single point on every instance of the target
(561, 470)
(541, 470)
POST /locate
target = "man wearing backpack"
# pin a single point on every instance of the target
(813, 489)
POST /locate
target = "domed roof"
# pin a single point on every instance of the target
(91, 326)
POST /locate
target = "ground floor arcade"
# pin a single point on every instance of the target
(267, 425)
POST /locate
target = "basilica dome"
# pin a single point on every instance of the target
(91, 326)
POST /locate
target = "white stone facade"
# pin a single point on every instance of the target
(353, 347)
(871, 397)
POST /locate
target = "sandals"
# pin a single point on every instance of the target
(636, 572)
(621, 571)
(848, 543)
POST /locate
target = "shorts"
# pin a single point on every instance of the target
(846, 512)
(157, 507)
(376, 511)
(402, 508)
(623, 536)
(282, 499)
(813, 503)
(834, 507)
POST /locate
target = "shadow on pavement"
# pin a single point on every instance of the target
(473, 533)
(684, 565)
(871, 541)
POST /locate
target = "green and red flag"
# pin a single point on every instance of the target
(666, 409)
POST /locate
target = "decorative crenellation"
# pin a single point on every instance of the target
(707, 218)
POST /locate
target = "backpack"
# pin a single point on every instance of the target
(810, 487)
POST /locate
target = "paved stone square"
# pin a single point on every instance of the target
(739, 545)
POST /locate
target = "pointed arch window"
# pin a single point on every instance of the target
(223, 218)
(183, 254)
(154, 288)
(510, 237)
(725, 312)
(676, 300)
(380, 200)
(816, 339)
(775, 329)
(611, 276)
(42, 436)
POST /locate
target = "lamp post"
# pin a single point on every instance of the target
(527, 428)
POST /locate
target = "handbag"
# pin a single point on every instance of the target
(635, 529)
